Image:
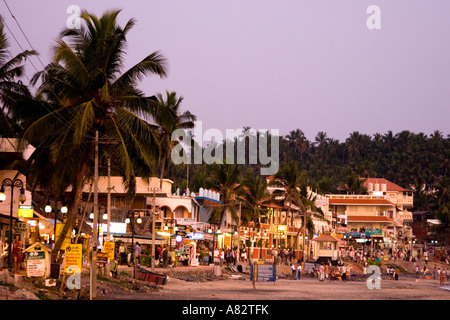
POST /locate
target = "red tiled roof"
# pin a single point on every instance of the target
(390, 186)
(326, 237)
(368, 219)
(362, 201)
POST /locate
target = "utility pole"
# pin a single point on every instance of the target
(239, 234)
(303, 240)
(108, 210)
(153, 226)
(93, 275)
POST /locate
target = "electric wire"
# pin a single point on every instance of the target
(56, 115)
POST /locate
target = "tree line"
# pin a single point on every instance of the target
(85, 103)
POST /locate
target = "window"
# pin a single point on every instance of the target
(120, 202)
(325, 245)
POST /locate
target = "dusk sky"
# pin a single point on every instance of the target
(287, 64)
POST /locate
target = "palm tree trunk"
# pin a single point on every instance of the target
(162, 173)
(73, 212)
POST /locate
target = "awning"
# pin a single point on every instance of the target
(127, 238)
(5, 219)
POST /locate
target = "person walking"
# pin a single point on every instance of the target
(396, 272)
(293, 269)
(17, 254)
(137, 254)
(2, 245)
(321, 273)
(344, 273)
(434, 273)
(122, 254)
(299, 270)
(164, 254)
(442, 278)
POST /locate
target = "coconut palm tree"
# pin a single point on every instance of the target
(169, 119)
(288, 179)
(11, 88)
(226, 180)
(254, 196)
(308, 210)
(86, 97)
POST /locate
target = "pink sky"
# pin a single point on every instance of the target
(284, 65)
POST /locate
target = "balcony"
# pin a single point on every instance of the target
(406, 217)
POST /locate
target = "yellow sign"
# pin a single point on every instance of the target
(67, 240)
(73, 256)
(109, 249)
(25, 211)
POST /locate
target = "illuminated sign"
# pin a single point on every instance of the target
(25, 211)
(196, 236)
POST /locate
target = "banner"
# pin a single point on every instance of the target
(109, 249)
(35, 264)
(73, 256)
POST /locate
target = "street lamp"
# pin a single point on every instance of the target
(171, 229)
(104, 217)
(130, 220)
(16, 183)
(48, 209)
(214, 230)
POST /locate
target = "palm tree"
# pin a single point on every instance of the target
(288, 179)
(308, 209)
(255, 198)
(295, 191)
(170, 119)
(226, 180)
(11, 88)
(84, 92)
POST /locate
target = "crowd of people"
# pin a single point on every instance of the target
(443, 275)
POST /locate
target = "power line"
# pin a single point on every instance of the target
(56, 115)
(18, 43)
(18, 24)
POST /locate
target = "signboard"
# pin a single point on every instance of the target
(263, 272)
(308, 266)
(196, 236)
(25, 211)
(186, 221)
(102, 257)
(20, 227)
(35, 264)
(73, 256)
(374, 232)
(109, 249)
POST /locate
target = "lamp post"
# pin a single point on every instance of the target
(214, 230)
(105, 216)
(48, 209)
(130, 220)
(13, 183)
(171, 229)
